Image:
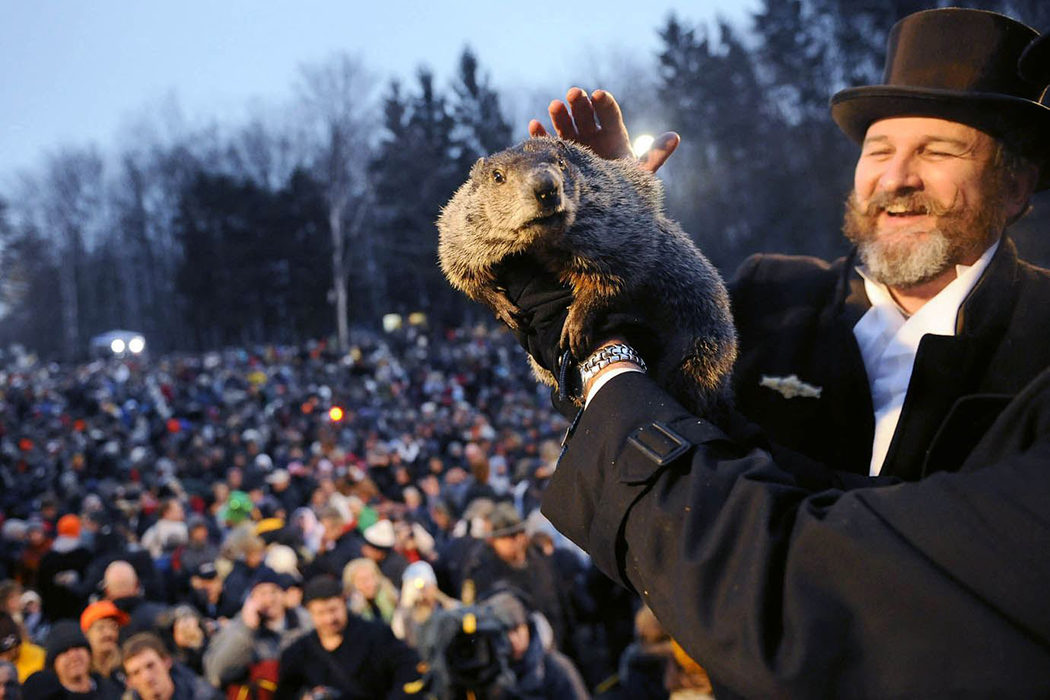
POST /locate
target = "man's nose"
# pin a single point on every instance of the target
(901, 173)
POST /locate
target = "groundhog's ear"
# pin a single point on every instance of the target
(478, 166)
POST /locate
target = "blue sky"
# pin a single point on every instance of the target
(74, 72)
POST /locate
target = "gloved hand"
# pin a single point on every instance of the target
(543, 302)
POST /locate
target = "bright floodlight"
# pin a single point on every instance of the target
(642, 144)
(117, 346)
(137, 344)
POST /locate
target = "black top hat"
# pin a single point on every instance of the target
(965, 66)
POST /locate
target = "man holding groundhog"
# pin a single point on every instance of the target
(885, 533)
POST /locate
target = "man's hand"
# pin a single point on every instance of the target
(250, 613)
(596, 122)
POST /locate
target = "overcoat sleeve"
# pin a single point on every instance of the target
(928, 589)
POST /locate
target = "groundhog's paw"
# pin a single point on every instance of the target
(576, 332)
(509, 314)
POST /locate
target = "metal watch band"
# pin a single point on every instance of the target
(619, 352)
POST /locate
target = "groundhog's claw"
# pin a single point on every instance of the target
(575, 334)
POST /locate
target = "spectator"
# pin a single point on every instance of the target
(372, 596)
(420, 598)
(10, 688)
(342, 542)
(540, 671)
(198, 548)
(169, 532)
(246, 650)
(378, 546)
(206, 590)
(67, 671)
(121, 586)
(61, 571)
(153, 675)
(507, 559)
(246, 550)
(185, 633)
(351, 657)
(283, 490)
(101, 623)
(28, 658)
(36, 546)
(34, 622)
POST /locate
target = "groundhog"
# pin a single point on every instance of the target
(599, 226)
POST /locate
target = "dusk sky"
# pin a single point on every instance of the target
(76, 72)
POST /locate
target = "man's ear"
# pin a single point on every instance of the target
(1019, 189)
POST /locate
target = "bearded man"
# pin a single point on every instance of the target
(774, 557)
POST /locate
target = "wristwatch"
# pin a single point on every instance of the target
(610, 354)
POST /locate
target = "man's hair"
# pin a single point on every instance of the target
(1010, 162)
(142, 642)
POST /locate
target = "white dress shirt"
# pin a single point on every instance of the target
(889, 339)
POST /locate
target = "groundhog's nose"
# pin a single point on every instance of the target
(548, 190)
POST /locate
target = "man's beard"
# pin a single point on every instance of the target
(910, 258)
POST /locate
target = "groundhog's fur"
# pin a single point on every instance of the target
(599, 226)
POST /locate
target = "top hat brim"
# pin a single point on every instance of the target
(1001, 116)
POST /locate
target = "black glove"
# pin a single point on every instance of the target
(543, 302)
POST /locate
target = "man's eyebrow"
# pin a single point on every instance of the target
(961, 143)
(967, 145)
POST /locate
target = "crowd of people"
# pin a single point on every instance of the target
(216, 525)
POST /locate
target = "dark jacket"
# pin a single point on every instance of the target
(44, 685)
(235, 588)
(779, 588)
(545, 674)
(144, 615)
(370, 664)
(188, 686)
(795, 316)
(536, 580)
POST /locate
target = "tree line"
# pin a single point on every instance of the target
(297, 227)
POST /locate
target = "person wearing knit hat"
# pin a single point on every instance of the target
(257, 633)
(101, 622)
(420, 598)
(539, 670)
(238, 508)
(67, 671)
(68, 526)
(61, 571)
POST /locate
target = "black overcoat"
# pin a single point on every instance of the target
(936, 588)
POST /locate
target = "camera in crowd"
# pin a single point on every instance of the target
(467, 654)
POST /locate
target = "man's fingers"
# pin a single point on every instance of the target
(562, 120)
(536, 128)
(660, 151)
(582, 113)
(607, 110)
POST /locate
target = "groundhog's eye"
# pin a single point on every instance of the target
(498, 177)
(562, 164)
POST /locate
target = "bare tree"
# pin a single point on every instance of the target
(338, 115)
(73, 204)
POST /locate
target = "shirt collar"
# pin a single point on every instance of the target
(943, 308)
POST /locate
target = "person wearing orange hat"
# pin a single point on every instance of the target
(101, 623)
(62, 569)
